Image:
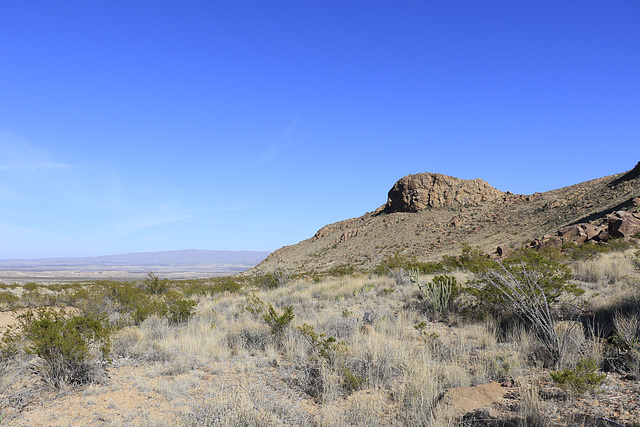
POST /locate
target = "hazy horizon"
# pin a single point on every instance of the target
(132, 253)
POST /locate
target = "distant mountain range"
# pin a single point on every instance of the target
(178, 264)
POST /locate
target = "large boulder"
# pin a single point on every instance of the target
(414, 193)
(573, 233)
(623, 224)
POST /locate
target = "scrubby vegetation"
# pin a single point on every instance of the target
(342, 347)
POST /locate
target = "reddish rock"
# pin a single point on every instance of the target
(551, 242)
(603, 236)
(623, 224)
(591, 230)
(572, 233)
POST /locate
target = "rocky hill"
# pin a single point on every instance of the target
(429, 215)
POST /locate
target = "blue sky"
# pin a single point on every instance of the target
(247, 125)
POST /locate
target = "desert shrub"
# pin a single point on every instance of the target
(154, 285)
(352, 381)
(547, 267)
(8, 298)
(278, 323)
(143, 307)
(34, 298)
(584, 252)
(224, 284)
(137, 303)
(538, 272)
(76, 296)
(327, 348)
(619, 244)
(581, 379)
(31, 286)
(400, 262)
(124, 294)
(341, 270)
(179, 309)
(70, 349)
(254, 304)
(470, 259)
(272, 279)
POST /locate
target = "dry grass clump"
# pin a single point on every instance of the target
(250, 405)
(530, 410)
(610, 267)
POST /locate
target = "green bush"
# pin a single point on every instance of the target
(402, 262)
(546, 267)
(584, 251)
(341, 270)
(274, 279)
(325, 347)
(154, 285)
(254, 304)
(8, 298)
(138, 303)
(581, 379)
(278, 323)
(619, 244)
(31, 286)
(179, 309)
(535, 273)
(70, 349)
(470, 259)
(351, 381)
(224, 284)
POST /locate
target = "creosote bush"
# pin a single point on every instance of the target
(155, 285)
(71, 349)
(581, 379)
(137, 303)
(272, 279)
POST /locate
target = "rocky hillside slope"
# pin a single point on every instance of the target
(429, 215)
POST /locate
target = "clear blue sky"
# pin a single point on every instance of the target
(247, 125)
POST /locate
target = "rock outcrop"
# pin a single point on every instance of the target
(414, 193)
(622, 223)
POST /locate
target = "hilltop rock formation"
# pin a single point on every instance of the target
(414, 193)
(429, 215)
